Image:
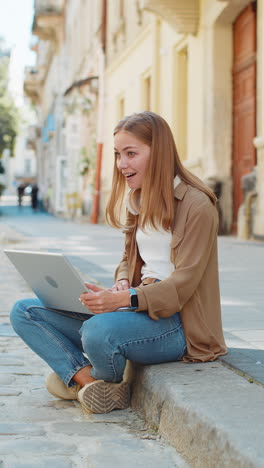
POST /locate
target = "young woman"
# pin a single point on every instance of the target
(168, 279)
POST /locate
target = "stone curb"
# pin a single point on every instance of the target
(204, 411)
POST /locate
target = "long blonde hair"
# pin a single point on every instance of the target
(156, 194)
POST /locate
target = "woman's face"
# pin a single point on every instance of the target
(132, 158)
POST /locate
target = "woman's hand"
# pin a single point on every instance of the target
(121, 285)
(104, 300)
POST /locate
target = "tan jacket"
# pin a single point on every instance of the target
(193, 288)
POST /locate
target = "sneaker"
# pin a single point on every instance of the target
(103, 397)
(56, 387)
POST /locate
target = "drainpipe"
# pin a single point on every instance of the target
(100, 121)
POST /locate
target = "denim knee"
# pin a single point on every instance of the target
(93, 333)
(100, 344)
(17, 313)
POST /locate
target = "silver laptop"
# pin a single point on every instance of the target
(52, 278)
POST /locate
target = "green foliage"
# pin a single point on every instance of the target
(8, 111)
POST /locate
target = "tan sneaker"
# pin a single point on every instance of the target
(103, 397)
(56, 387)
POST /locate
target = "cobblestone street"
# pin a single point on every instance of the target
(36, 429)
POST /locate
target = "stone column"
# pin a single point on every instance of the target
(258, 226)
(217, 122)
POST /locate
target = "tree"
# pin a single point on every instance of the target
(8, 111)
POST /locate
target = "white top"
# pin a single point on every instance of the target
(154, 248)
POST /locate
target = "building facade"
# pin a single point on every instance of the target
(200, 64)
(20, 167)
(64, 86)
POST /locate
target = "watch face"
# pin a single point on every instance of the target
(134, 300)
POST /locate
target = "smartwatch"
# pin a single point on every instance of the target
(133, 299)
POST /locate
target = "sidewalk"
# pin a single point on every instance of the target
(212, 415)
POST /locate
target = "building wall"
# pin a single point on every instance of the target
(124, 81)
(191, 87)
(67, 57)
(177, 66)
(153, 63)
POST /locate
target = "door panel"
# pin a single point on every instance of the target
(244, 101)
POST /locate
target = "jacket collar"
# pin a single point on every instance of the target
(180, 190)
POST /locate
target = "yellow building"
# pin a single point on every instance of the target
(198, 63)
(193, 62)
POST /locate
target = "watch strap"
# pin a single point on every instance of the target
(133, 299)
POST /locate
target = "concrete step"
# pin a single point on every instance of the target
(211, 415)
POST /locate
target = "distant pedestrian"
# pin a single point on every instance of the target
(167, 280)
(20, 193)
(34, 197)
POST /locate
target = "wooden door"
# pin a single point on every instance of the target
(244, 101)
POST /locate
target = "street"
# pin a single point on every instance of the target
(39, 430)
(36, 429)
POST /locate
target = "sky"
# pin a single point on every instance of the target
(16, 18)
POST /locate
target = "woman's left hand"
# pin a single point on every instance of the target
(103, 300)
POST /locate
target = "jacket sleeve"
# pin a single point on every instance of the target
(167, 297)
(122, 269)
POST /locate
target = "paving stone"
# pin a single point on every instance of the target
(58, 462)
(6, 379)
(9, 392)
(7, 330)
(20, 428)
(39, 447)
(33, 414)
(10, 363)
(18, 370)
(86, 429)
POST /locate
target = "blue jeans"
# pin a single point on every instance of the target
(70, 341)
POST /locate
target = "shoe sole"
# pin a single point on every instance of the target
(103, 397)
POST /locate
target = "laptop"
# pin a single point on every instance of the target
(52, 278)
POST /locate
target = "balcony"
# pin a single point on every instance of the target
(48, 20)
(32, 83)
(182, 15)
(33, 133)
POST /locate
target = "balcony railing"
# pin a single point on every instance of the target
(32, 83)
(48, 6)
(48, 19)
(183, 15)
